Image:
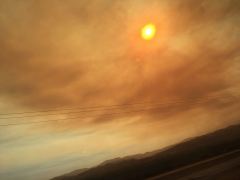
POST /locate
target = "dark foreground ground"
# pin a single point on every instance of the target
(223, 167)
(214, 156)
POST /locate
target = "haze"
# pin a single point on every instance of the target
(90, 53)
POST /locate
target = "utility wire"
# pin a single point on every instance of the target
(121, 113)
(91, 109)
(86, 111)
(81, 108)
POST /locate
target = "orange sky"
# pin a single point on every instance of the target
(87, 53)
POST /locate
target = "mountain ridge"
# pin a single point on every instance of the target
(141, 166)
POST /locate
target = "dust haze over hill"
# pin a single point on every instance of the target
(175, 157)
(89, 53)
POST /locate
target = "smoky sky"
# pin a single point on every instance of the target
(86, 53)
(70, 53)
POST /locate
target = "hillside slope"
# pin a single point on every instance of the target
(186, 153)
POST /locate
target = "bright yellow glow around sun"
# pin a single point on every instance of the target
(148, 32)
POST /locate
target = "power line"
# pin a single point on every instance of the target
(73, 108)
(71, 118)
(122, 113)
(89, 109)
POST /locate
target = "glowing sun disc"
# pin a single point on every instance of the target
(148, 32)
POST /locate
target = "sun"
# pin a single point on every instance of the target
(148, 31)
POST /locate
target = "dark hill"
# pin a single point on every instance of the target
(186, 153)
